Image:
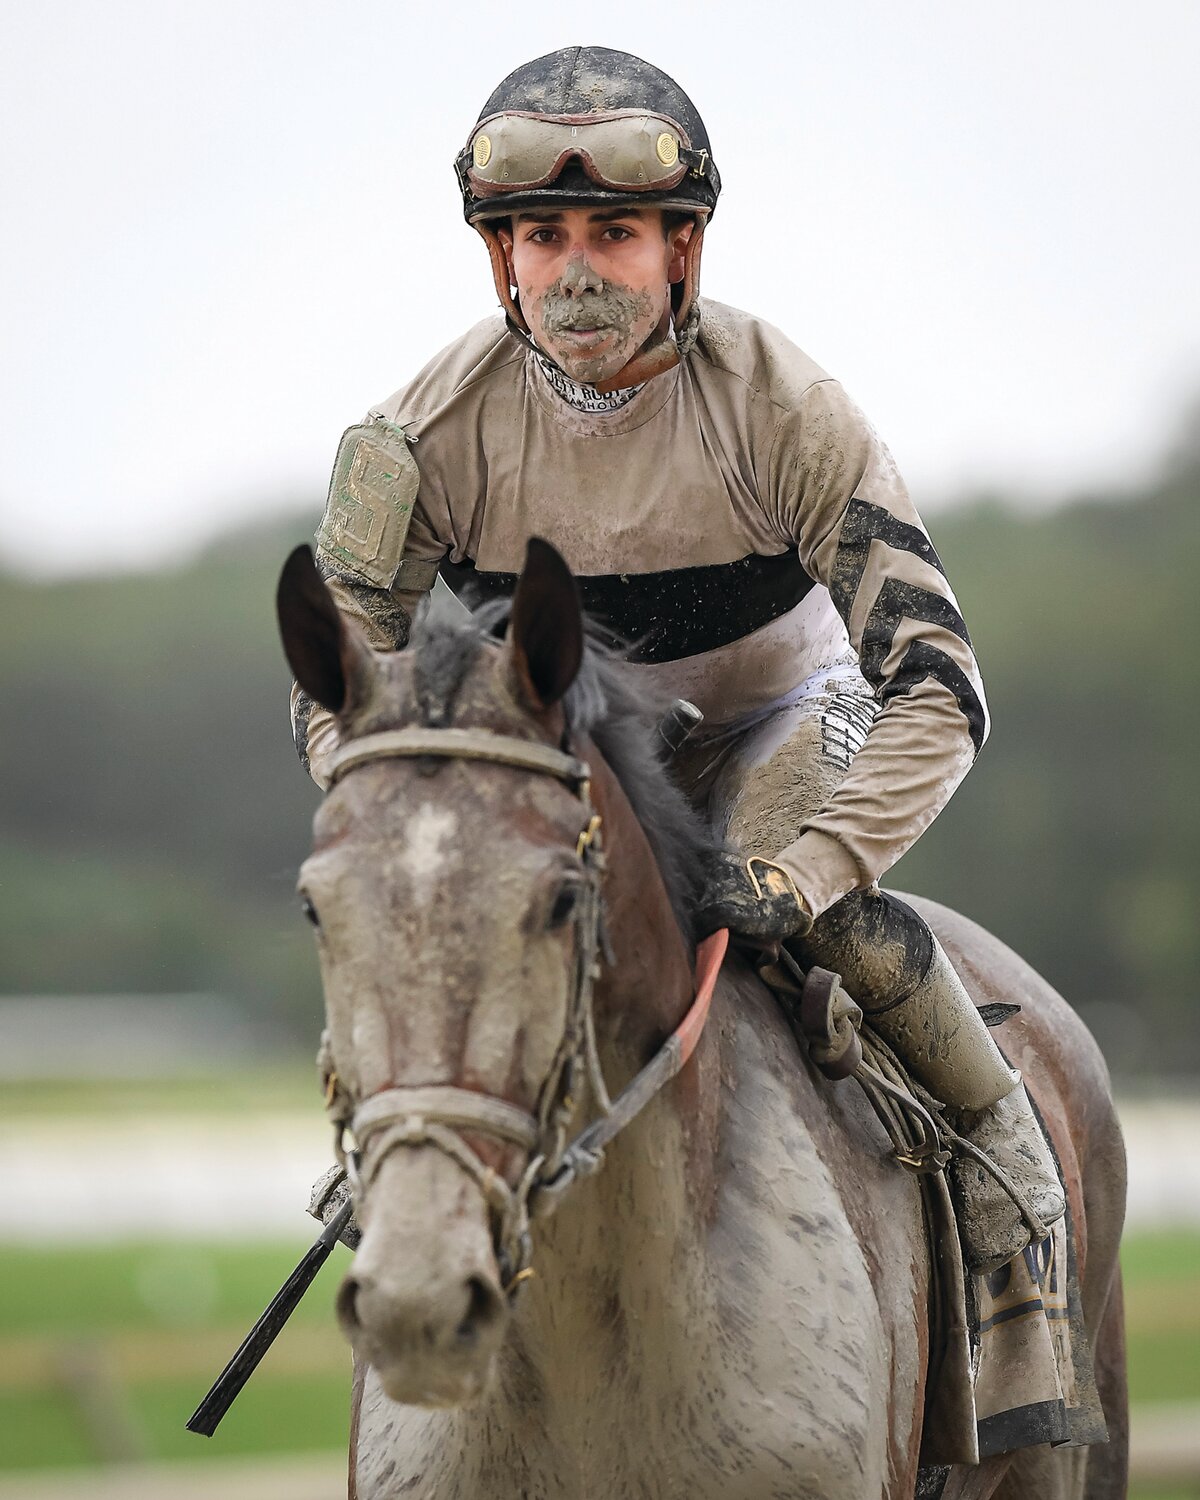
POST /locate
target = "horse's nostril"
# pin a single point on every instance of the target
(484, 1306)
(347, 1303)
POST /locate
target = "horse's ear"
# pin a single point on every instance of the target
(545, 629)
(328, 654)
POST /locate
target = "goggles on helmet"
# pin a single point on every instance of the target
(630, 151)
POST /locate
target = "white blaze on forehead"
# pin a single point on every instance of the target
(430, 836)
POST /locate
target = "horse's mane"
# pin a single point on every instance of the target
(602, 704)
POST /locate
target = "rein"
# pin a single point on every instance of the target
(367, 1133)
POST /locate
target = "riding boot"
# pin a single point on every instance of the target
(900, 975)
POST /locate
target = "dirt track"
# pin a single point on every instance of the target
(1166, 1451)
(311, 1477)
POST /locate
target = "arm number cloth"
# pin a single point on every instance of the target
(370, 505)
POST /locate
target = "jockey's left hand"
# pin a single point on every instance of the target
(753, 898)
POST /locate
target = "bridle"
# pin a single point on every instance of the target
(365, 1134)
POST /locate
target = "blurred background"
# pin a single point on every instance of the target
(229, 230)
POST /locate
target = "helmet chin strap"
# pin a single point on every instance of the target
(661, 353)
(500, 276)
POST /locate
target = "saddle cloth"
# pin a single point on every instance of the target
(1015, 1365)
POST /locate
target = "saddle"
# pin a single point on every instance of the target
(1009, 1361)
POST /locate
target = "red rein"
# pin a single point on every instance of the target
(710, 955)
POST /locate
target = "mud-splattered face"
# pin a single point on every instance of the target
(594, 285)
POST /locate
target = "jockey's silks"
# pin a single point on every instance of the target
(738, 520)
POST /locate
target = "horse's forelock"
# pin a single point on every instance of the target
(443, 653)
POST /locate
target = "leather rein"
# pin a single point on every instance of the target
(367, 1132)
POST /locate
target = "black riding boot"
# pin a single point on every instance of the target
(898, 972)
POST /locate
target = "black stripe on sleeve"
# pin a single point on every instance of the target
(865, 523)
(668, 615)
(898, 601)
(923, 660)
(386, 621)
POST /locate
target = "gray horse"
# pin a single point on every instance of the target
(735, 1306)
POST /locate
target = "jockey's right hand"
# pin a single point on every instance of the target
(753, 898)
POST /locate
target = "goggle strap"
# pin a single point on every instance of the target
(699, 163)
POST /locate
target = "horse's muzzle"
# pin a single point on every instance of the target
(422, 1303)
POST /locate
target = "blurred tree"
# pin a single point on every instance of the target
(1073, 839)
(153, 811)
(154, 814)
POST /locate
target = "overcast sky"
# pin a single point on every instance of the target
(230, 228)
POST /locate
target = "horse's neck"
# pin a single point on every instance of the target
(621, 1261)
(619, 1306)
(643, 995)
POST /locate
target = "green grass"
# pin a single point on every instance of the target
(1163, 1256)
(286, 1414)
(162, 1318)
(167, 1286)
(158, 1321)
(40, 1428)
(276, 1085)
(291, 1414)
(1162, 1308)
(1164, 1364)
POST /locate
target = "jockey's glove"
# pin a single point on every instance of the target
(753, 898)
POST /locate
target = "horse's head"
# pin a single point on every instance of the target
(454, 889)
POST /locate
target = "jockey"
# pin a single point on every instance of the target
(725, 506)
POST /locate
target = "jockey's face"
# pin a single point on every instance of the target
(594, 283)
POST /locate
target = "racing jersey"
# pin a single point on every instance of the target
(736, 520)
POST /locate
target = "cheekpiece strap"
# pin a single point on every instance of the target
(458, 744)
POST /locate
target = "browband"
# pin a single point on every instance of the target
(457, 744)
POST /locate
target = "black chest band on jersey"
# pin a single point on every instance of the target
(672, 614)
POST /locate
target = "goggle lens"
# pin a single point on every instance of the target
(630, 152)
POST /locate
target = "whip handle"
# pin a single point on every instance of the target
(245, 1361)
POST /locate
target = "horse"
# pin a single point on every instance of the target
(730, 1300)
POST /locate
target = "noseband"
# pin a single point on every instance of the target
(435, 1114)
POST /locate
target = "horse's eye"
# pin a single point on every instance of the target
(564, 904)
(310, 911)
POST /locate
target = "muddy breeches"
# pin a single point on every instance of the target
(758, 780)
